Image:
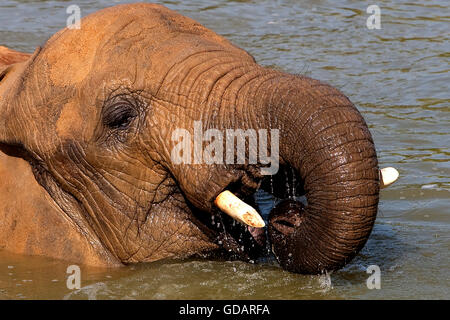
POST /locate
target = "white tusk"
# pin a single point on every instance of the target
(238, 209)
(388, 176)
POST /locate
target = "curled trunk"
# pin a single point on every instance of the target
(326, 140)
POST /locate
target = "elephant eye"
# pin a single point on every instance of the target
(119, 116)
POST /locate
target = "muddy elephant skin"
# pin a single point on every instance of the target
(86, 126)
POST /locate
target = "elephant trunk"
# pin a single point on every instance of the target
(326, 141)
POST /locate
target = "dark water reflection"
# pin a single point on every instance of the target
(397, 76)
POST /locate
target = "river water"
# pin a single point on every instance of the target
(398, 76)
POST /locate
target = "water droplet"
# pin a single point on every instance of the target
(293, 182)
(288, 187)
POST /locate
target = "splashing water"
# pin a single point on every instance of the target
(325, 282)
(293, 183)
(288, 185)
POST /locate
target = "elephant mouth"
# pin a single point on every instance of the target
(238, 241)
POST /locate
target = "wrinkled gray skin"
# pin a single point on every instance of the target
(93, 112)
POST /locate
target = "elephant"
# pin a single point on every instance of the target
(86, 139)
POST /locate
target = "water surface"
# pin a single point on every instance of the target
(399, 79)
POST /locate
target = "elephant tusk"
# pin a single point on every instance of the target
(388, 176)
(238, 209)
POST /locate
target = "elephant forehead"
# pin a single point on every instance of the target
(71, 54)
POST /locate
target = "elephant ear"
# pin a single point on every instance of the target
(8, 56)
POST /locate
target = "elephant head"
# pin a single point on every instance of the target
(95, 109)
